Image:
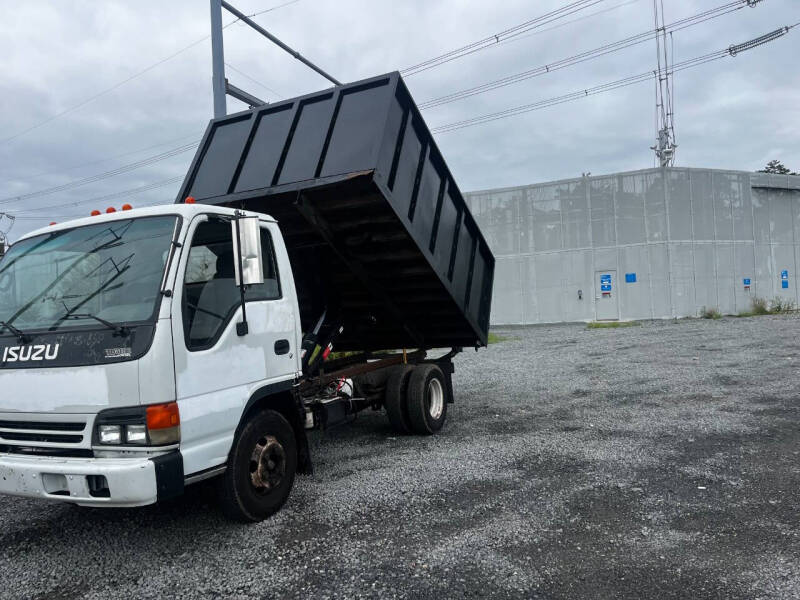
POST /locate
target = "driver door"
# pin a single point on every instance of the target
(216, 370)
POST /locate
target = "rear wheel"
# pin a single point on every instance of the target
(395, 399)
(261, 468)
(426, 399)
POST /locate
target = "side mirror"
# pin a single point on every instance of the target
(247, 257)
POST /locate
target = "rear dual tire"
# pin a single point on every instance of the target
(416, 401)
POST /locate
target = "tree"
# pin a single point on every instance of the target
(777, 167)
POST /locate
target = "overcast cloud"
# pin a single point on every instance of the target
(735, 113)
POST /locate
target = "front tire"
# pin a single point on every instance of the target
(261, 469)
(426, 399)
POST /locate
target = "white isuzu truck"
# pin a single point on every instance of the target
(143, 350)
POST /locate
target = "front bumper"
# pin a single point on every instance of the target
(129, 481)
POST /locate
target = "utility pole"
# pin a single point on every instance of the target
(217, 60)
(220, 84)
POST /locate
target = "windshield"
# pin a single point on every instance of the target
(110, 270)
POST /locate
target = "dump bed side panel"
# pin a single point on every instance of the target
(362, 193)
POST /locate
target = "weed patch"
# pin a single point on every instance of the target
(611, 324)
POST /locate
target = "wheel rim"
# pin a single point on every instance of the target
(435, 398)
(267, 464)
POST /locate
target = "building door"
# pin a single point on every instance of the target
(606, 303)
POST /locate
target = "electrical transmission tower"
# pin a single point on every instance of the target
(4, 231)
(665, 125)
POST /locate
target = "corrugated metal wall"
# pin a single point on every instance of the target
(656, 243)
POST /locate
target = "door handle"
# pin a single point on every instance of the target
(282, 347)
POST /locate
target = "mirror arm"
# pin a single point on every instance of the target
(241, 328)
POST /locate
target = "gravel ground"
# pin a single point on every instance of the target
(658, 461)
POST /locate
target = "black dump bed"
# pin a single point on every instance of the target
(376, 228)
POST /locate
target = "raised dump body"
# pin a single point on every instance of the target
(377, 231)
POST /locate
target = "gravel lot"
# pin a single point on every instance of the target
(658, 461)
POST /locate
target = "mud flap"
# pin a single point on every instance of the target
(169, 475)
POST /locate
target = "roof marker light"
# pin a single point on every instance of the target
(53, 223)
(95, 213)
(126, 207)
(111, 209)
(189, 200)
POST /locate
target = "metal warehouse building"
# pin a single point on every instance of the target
(656, 243)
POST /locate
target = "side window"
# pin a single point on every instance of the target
(271, 288)
(210, 294)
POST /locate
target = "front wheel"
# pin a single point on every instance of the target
(261, 468)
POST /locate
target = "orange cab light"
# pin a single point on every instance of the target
(52, 222)
(111, 209)
(189, 200)
(127, 207)
(95, 213)
(163, 416)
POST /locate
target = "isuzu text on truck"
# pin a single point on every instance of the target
(145, 350)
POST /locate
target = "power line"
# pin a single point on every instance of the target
(613, 85)
(492, 40)
(25, 214)
(136, 75)
(100, 161)
(253, 79)
(583, 56)
(759, 41)
(100, 176)
(566, 23)
(74, 216)
(266, 10)
(518, 110)
(107, 90)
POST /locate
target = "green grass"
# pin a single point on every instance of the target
(759, 306)
(496, 339)
(710, 313)
(782, 305)
(611, 324)
(762, 306)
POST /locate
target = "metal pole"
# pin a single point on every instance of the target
(267, 35)
(240, 94)
(217, 60)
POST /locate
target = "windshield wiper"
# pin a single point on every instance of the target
(119, 329)
(23, 337)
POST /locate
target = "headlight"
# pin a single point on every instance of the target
(109, 434)
(136, 434)
(155, 425)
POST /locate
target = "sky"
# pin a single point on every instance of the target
(75, 105)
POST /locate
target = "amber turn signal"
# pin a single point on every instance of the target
(162, 416)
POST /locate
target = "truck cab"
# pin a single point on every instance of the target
(122, 370)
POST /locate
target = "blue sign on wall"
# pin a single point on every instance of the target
(746, 281)
(630, 277)
(605, 278)
(605, 287)
(785, 284)
(785, 275)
